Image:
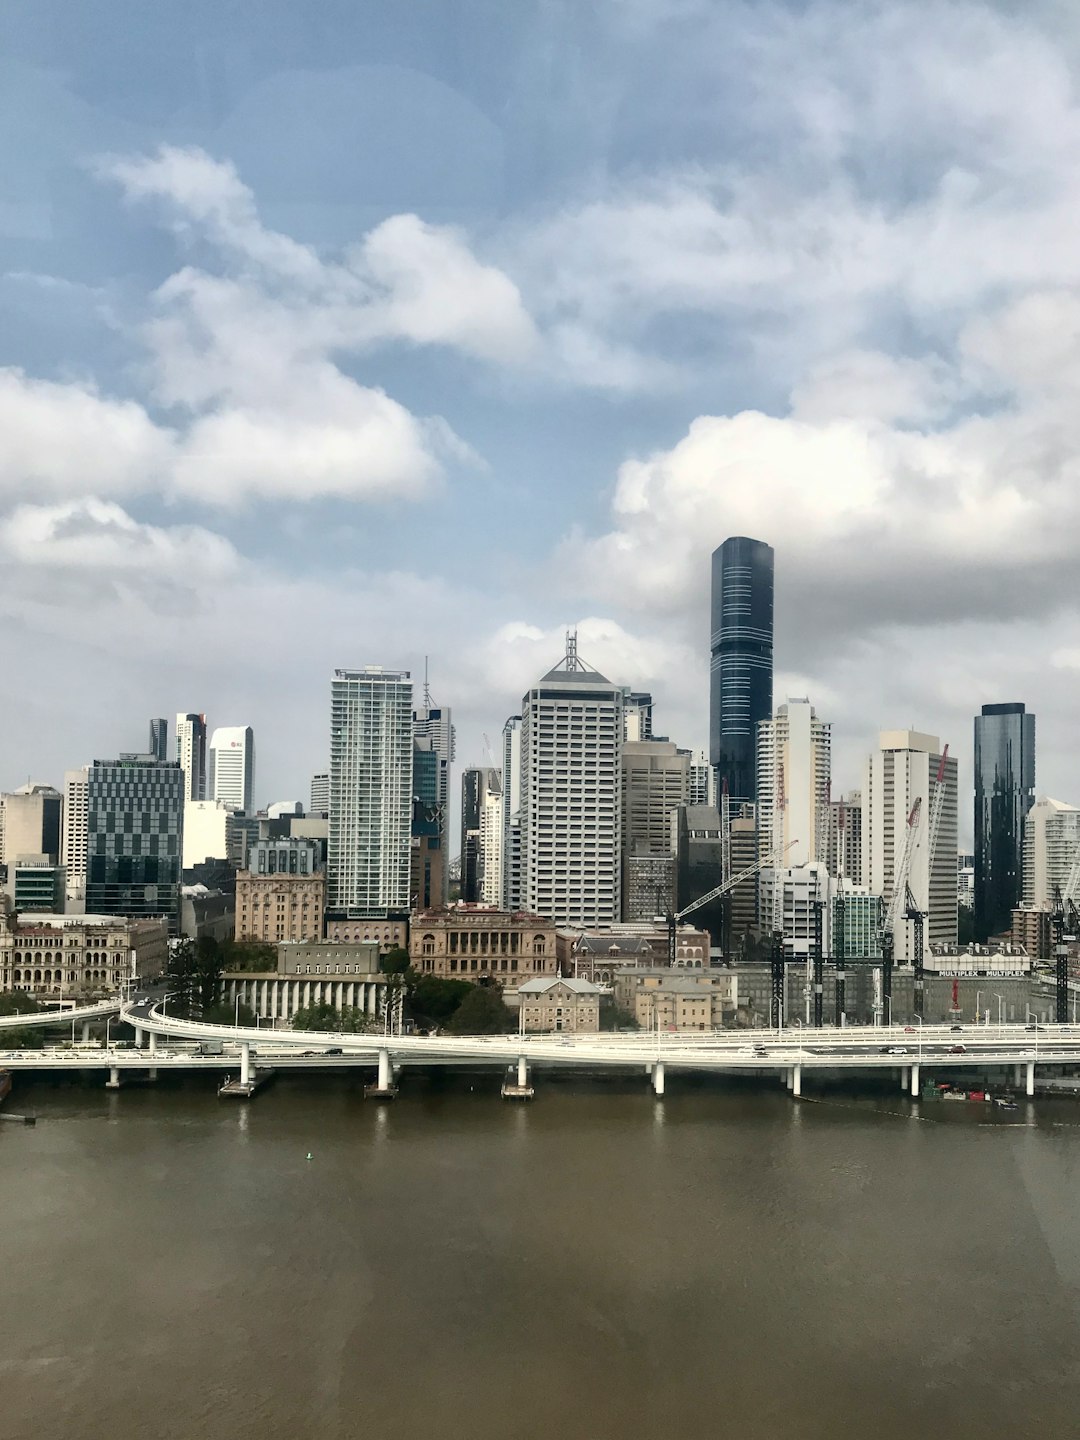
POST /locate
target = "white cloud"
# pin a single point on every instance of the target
(100, 538)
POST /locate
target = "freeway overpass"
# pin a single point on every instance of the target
(38, 1019)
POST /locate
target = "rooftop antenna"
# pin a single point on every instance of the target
(427, 688)
(572, 661)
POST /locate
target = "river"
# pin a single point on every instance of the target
(725, 1262)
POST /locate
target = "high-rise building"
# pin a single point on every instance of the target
(902, 770)
(794, 771)
(511, 814)
(434, 724)
(159, 738)
(73, 836)
(320, 795)
(655, 782)
(371, 793)
(134, 824)
(1051, 845)
(702, 779)
(491, 843)
(571, 818)
(427, 862)
(231, 772)
(637, 715)
(480, 790)
(31, 822)
(191, 753)
(843, 846)
(1004, 793)
(698, 845)
(208, 832)
(742, 660)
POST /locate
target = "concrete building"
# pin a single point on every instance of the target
(279, 906)
(320, 795)
(191, 753)
(794, 774)
(371, 793)
(902, 770)
(843, 839)
(32, 820)
(465, 942)
(1004, 793)
(511, 895)
(701, 779)
(558, 1004)
(655, 778)
(637, 716)
(860, 932)
(207, 913)
(433, 729)
(599, 955)
(208, 831)
(799, 889)
(231, 769)
(1051, 845)
(678, 999)
(481, 791)
(571, 818)
(1030, 929)
(965, 880)
(648, 883)
(387, 932)
(339, 975)
(73, 839)
(79, 956)
(134, 827)
(37, 883)
(741, 648)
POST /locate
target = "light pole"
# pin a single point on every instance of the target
(1001, 1009)
(978, 1005)
(236, 1010)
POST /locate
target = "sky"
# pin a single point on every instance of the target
(360, 332)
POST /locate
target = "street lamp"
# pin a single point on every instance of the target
(978, 1005)
(1001, 1009)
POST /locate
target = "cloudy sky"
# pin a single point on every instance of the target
(347, 333)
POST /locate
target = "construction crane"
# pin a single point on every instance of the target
(1064, 919)
(911, 910)
(900, 902)
(722, 889)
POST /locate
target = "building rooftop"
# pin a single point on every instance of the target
(540, 987)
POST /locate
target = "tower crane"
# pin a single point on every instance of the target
(722, 889)
(1063, 917)
(839, 936)
(901, 898)
(911, 910)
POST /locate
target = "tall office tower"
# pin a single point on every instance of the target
(843, 846)
(702, 779)
(902, 770)
(191, 753)
(134, 838)
(637, 715)
(794, 772)
(479, 783)
(511, 814)
(571, 819)
(371, 793)
(1004, 793)
(655, 779)
(742, 660)
(73, 836)
(159, 739)
(1051, 844)
(320, 795)
(32, 822)
(208, 832)
(231, 772)
(434, 723)
(427, 862)
(491, 836)
(698, 846)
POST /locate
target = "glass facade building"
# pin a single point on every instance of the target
(742, 660)
(1004, 793)
(134, 838)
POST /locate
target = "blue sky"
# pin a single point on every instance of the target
(347, 333)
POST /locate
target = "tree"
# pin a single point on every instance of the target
(17, 1002)
(180, 974)
(222, 1013)
(349, 1020)
(395, 961)
(207, 977)
(430, 1000)
(481, 1012)
(614, 1017)
(23, 1039)
(254, 955)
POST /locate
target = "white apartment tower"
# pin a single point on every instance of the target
(794, 770)
(73, 834)
(511, 814)
(320, 795)
(1051, 843)
(191, 752)
(904, 769)
(491, 846)
(371, 792)
(571, 816)
(231, 773)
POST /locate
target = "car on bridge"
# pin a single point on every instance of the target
(957, 1050)
(896, 1050)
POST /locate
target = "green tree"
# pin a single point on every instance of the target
(349, 1020)
(481, 1012)
(222, 1013)
(430, 1000)
(23, 1039)
(180, 973)
(254, 955)
(614, 1017)
(395, 961)
(207, 977)
(17, 1002)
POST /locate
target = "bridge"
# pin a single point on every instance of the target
(173, 1043)
(38, 1019)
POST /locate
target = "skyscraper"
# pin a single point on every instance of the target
(511, 814)
(159, 738)
(191, 753)
(480, 790)
(433, 723)
(371, 792)
(1004, 793)
(320, 795)
(571, 818)
(902, 770)
(73, 835)
(794, 769)
(231, 772)
(134, 836)
(655, 782)
(742, 660)
(1051, 844)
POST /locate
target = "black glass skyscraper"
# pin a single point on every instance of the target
(134, 838)
(742, 659)
(1004, 793)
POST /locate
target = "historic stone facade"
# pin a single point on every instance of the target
(80, 956)
(466, 942)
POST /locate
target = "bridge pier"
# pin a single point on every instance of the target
(788, 1080)
(1030, 1085)
(905, 1078)
(1018, 1075)
(796, 1081)
(245, 1061)
(915, 1081)
(522, 1090)
(658, 1077)
(86, 1032)
(153, 1043)
(140, 1035)
(383, 1089)
(113, 1082)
